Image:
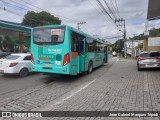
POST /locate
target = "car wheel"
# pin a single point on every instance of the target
(90, 67)
(138, 68)
(23, 72)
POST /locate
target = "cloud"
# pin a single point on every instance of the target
(134, 12)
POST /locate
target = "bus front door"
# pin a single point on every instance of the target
(81, 53)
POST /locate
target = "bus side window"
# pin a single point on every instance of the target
(74, 43)
(87, 47)
(81, 46)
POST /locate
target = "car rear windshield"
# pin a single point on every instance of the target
(12, 57)
(152, 54)
(49, 35)
(144, 55)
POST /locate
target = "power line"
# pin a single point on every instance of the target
(111, 11)
(62, 17)
(117, 8)
(7, 10)
(113, 37)
(107, 13)
(13, 5)
(99, 11)
(104, 10)
(22, 5)
(12, 12)
(112, 6)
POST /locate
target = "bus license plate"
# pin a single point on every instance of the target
(48, 64)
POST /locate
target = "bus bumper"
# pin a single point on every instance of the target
(47, 69)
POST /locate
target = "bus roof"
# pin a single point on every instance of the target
(74, 29)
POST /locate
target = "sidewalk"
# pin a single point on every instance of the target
(121, 88)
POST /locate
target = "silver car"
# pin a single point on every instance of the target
(148, 60)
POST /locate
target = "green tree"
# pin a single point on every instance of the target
(118, 45)
(140, 46)
(34, 19)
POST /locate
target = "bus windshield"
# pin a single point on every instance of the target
(49, 35)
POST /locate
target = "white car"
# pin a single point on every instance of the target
(18, 63)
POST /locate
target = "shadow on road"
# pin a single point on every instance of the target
(150, 69)
(16, 76)
(72, 78)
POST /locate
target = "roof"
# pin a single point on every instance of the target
(74, 29)
(14, 26)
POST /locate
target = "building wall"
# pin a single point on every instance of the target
(155, 48)
(145, 45)
(150, 48)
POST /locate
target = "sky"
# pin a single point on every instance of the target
(73, 11)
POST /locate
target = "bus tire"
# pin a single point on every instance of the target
(23, 72)
(103, 62)
(90, 67)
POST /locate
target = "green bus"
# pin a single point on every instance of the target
(61, 49)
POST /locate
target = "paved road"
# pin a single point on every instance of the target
(36, 90)
(121, 88)
(117, 86)
(12, 84)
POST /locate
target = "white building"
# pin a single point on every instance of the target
(132, 47)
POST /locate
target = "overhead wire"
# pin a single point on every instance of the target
(62, 17)
(114, 37)
(93, 3)
(15, 13)
(23, 5)
(107, 13)
(117, 8)
(110, 3)
(111, 10)
(104, 12)
(13, 5)
(100, 10)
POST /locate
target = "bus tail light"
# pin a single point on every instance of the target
(32, 59)
(66, 59)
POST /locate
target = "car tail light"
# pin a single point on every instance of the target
(13, 64)
(32, 59)
(139, 59)
(66, 59)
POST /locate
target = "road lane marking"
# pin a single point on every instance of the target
(69, 96)
(74, 93)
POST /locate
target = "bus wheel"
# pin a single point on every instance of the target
(90, 67)
(103, 61)
(23, 72)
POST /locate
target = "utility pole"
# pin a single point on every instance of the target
(124, 34)
(133, 47)
(80, 23)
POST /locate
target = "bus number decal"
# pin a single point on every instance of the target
(54, 51)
